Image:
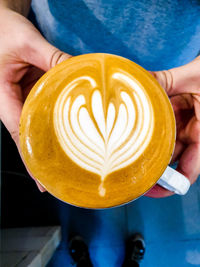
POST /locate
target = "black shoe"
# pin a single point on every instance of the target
(79, 252)
(135, 249)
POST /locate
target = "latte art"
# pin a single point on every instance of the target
(97, 131)
(103, 132)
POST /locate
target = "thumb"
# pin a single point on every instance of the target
(181, 80)
(42, 54)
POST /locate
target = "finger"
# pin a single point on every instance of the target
(42, 54)
(10, 108)
(158, 192)
(189, 163)
(11, 121)
(40, 187)
(29, 79)
(197, 105)
(191, 133)
(182, 102)
(164, 78)
(13, 102)
(179, 148)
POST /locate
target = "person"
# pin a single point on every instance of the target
(162, 36)
(144, 31)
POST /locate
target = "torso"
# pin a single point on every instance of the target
(155, 34)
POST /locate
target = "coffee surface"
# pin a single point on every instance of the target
(97, 131)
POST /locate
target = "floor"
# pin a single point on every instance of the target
(28, 246)
(171, 226)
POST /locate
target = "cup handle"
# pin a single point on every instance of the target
(174, 181)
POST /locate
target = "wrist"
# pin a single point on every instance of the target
(187, 77)
(181, 80)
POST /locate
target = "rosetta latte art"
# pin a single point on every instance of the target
(98, 139)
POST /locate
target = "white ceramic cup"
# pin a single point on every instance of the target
(174, 181)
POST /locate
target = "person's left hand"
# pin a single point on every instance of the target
(24, 57)
(183, 87)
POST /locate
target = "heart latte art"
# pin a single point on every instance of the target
(97, 131)
(101, 136)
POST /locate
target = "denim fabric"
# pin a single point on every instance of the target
(157, 34)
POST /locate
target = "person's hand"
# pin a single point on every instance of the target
(183, 87)
(24, 56)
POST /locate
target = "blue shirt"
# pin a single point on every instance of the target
(157, 34)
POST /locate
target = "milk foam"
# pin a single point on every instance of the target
(102, 144)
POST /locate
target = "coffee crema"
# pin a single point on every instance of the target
(97, 131)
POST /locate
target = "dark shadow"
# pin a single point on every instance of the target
(22, 203)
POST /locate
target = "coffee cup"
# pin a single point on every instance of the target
(98, 131)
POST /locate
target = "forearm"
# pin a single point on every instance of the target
(20, 6)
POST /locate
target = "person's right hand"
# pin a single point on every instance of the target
(24, 57)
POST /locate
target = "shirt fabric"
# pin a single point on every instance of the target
(157, 34)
